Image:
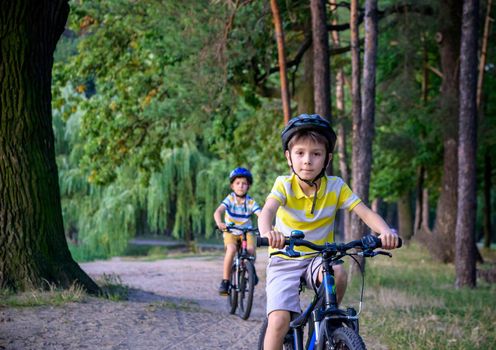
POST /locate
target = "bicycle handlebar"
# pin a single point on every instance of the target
(368, 242)
(243, 229)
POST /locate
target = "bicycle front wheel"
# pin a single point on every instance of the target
(344, 338)
(232, 300)
(246, 289)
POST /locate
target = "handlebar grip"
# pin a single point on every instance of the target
(400, 243)
(262, 241)
(372, 241)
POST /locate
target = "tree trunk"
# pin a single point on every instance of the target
(422, 221)
(405, 219)
(426, 223)
(33, 248)
(341, 129)
(363, 123)
(286, 102)
(304, 91)
(449, 40)
(419, 199)
(465, 224)
(321, 70)
(487, 226)
(362, 126)
(357, 226)
(483, 54)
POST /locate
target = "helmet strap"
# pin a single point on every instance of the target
(242, 197)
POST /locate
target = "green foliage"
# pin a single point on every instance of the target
(408, 135)
(138, 91)
(155, 102)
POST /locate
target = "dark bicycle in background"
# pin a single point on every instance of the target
(328, 326)
(243, 276)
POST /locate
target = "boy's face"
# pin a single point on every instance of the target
(240, 186)
(307, 157)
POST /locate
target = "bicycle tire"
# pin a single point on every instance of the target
(232, 299)
(344, 338)
(246, 289)
(288, 340)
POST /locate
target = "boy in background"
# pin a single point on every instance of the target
(237, 207)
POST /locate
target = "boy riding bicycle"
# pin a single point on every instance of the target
(307, 200)
(238, 208)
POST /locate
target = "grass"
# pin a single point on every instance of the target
(53, 296)
(111, 286)
(411, 303)
(185, 305)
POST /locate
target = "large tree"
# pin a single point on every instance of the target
(465, 223)
(363, 121)
(33, 249)
(449, 42)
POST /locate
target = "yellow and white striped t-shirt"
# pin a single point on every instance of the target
(294, 212)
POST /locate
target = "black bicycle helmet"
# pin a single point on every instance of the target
(308, 122)
(241, 172)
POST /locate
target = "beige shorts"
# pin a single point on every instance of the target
(283, 282)
(229, 238)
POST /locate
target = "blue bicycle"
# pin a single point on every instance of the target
(328, 326)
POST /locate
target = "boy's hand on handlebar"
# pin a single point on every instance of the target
(389, 239)
(276, 239)
(222, 226)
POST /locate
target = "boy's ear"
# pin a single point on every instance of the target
(288, 157)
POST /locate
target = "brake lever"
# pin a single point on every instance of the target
(382, 252)
(371, 253)
(292, 253)
(287, 252)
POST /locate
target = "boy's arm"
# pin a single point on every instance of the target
(377, 224)
(269, 210)
(218, 217)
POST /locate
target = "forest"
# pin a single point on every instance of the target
(152, 103)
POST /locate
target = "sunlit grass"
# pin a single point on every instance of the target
(411, 303)
(111, 287)
(51, 296)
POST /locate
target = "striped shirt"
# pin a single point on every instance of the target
(294, 212)
(239, 214)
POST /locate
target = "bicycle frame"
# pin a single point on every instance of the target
(328, 310)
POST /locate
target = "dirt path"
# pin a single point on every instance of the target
(173, 305)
